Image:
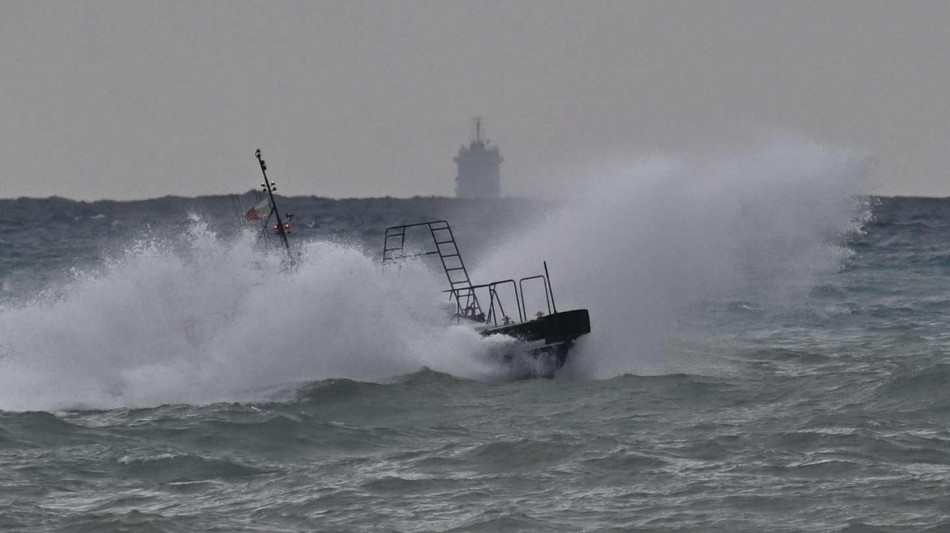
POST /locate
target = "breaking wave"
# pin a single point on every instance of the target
(207, 319)
(642, 242)
(200, 318)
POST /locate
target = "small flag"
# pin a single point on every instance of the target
(259, 211)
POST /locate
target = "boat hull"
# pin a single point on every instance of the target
(547, 340)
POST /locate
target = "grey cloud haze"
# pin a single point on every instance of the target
(141, 99)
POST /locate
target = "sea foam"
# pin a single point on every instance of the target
(197, 317)
(205, 319)
(640, 242)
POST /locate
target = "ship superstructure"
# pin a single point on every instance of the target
(479, 168)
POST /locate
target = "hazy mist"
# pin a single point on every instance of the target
(141, 99)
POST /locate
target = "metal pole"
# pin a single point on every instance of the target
(550, 287)
(273, 204)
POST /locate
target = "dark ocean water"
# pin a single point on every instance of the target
(780, 380)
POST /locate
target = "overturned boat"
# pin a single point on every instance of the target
(545, 338)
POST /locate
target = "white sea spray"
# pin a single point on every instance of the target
(641, 241)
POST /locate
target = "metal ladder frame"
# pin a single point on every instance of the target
(461, 287)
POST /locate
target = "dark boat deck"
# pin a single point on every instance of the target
(548, 336)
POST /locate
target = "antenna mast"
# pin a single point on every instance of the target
(270, 188)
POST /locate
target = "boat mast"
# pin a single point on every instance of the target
(550, 288)
(270, 188)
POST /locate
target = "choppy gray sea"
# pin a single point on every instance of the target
(763, 364)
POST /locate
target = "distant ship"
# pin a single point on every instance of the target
(479, 168)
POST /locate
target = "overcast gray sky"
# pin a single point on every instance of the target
(351, 98)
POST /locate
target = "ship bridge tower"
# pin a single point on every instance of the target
(479, 168)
